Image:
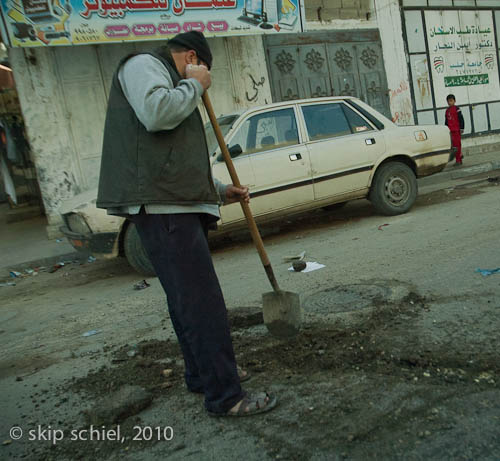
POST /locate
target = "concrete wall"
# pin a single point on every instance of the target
(250, 76)
(388, 16)
(47, 127)
(330, 10)
(239, 74)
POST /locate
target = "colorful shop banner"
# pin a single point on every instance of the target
(75, 22)
(463, 55)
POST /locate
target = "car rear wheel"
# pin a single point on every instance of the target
(135, 252)
(394, 189)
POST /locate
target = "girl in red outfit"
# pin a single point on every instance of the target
(455, 122)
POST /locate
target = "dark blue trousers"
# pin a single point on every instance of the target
(178, 249)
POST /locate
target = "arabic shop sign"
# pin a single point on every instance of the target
(464, 80)
(75, 22)
(464, 44)
(462, 55)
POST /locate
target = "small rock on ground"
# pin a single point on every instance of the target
(126, 401)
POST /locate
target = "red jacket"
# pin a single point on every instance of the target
(454, 119)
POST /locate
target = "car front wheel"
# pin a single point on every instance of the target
(135, 252)
(394, 189)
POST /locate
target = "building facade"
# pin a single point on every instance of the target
(452, 48)
(386, 52)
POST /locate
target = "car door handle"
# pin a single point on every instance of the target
(370, 141)
(295, 157)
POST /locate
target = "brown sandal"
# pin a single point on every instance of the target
(252, 404)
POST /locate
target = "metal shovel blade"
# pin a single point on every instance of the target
(282, 313)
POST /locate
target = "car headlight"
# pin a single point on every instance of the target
(76, 223)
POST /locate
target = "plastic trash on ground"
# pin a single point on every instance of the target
(56, 267)
(8, 284)
(486, 272)
(91, 333)
(299, 257)
(141, 285)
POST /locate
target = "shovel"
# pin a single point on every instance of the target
(281, 309)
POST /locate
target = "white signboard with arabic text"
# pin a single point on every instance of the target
(463, 56)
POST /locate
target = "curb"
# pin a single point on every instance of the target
(43, 262)
(451, 172)
(475, 169)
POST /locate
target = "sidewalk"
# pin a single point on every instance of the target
(472, 165)
(24, 245)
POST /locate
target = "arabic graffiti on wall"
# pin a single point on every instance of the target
(400, 103)
(462, 55)
(72, 22)
(256, 85)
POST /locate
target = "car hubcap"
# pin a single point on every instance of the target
(397, 190)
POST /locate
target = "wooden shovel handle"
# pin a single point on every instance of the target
(257, 239)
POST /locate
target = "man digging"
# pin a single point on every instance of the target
(156, 171)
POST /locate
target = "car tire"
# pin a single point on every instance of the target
(335, 206)
(135, 252)
(394, 189)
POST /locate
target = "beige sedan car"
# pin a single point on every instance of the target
(294, 156)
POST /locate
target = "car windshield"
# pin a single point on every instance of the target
(225, 122)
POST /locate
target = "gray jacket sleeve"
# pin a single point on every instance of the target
(149, 89)
(221, 189)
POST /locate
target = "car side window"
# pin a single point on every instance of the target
(357, 122)
(325, 121)
(270, 130)
(241, 137)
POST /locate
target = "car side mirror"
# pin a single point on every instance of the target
(234, 151)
